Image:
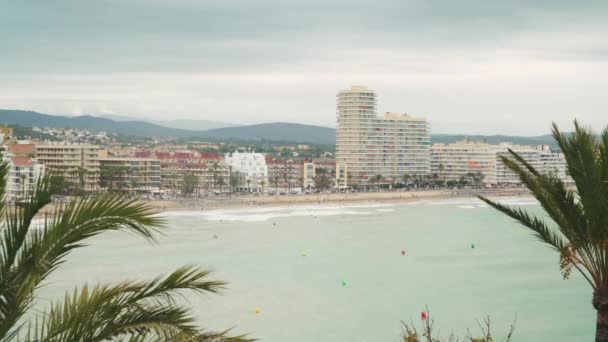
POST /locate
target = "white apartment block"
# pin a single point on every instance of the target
(457, 160)
(252, 167)
(554, 163)
(130, 174)
(368, 145)
(23, 174)
(77, 163)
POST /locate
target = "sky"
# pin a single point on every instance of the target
(474, 67)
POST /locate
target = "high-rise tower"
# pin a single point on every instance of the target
(368, 145)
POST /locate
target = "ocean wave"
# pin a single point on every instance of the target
(466, 207)
(267, 213)
(266, 217)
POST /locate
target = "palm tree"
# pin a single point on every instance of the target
(405, 178)
(377, 178)
(275, 181)
(136, 311)
(221, 182)
(234, 181)
(288, 176)
(580, 215)
(441, 169)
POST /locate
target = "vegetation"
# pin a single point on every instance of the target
(134, 311)
(322, 178)
(427, 332)
(189, 184)
(275, 181)
(114, 178)
(234, 181)
(377, 179)
(579, 233)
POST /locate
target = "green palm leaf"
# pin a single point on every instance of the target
(136, 310)
(579, 231)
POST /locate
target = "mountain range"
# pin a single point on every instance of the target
(190, 125)
(273, 132)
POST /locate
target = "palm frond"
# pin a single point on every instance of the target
(581, 214)
(538, 227)
(131, 310)
(558, 202)
(585, 166)
(4, 169)
(14, 301)
(43, 250)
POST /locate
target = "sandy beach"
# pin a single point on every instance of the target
(245, 201)
(325, 198)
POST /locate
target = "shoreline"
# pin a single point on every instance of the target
(161, 206)
(251, 201)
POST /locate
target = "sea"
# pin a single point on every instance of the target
(353, 272)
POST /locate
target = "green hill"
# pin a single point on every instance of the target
(277, 131)
(272, 132)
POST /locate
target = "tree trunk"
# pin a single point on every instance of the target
(600, 303)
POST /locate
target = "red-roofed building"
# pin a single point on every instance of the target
(22, 150)
(21, 161)
(211, 156)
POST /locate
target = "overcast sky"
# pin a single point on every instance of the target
(484, 66)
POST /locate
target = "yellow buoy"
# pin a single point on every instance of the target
(258, 311)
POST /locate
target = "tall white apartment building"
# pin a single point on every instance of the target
(252, 167)
(368, 145)
(457, 160)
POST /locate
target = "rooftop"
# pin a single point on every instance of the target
(21, 148)
(21, 161)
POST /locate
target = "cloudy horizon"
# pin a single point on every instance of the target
(472, 67)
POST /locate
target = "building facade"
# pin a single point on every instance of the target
(213, 177)
(212, 174)
(368, 145)
(76, 163)
(453, 162)
(22, 176)
(130, 174)
(286, 175)
(252, 168)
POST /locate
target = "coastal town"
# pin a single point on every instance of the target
(303, 171)
(372, 153)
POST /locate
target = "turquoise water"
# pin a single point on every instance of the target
(507, 275)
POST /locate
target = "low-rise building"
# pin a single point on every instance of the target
(453, 162)
(21, 150)
(130, 174)
(22, 177)
(212, 174)
(285, 175)
(253, 168)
